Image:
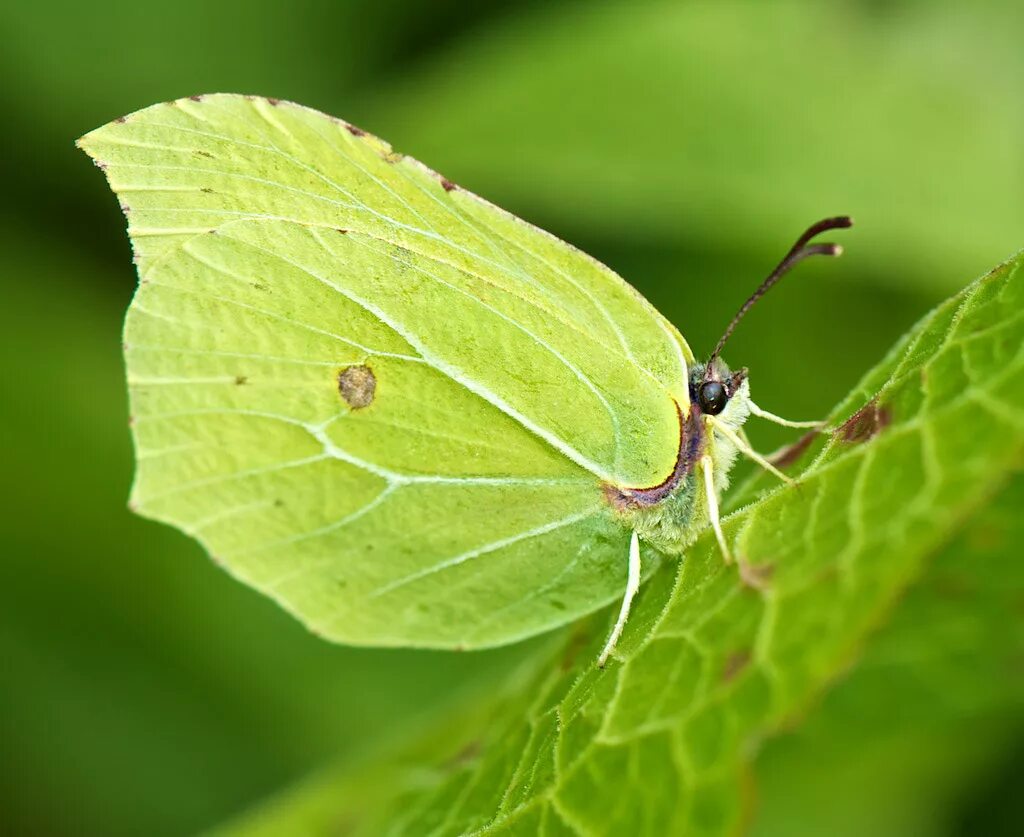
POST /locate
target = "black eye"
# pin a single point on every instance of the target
(712, 397)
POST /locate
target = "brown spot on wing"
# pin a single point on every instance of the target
(357, 386)
(355, 131)
(447, 185)
(866, 423)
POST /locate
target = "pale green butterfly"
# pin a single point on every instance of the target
(408, 416)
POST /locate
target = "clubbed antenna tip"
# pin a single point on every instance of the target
(797, 253)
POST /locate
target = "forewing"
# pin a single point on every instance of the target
(193, 165)
(456, 501)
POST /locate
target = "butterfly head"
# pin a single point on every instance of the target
(713, 386)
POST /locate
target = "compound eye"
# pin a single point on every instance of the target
(712, 397)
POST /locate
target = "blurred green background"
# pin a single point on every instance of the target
(685, 144)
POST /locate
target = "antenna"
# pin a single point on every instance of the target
(797, 253)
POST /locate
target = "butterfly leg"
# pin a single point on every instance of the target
(745, 448)
(708, 467)
(632, 585)
(757, 411)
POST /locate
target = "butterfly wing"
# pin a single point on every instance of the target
(451, 495)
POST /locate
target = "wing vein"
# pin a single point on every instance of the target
(483, 392)
(573, 368)
(429, 232)
(461, 558)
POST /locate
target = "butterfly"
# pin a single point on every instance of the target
(408, 416)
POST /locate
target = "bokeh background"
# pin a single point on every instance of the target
(683, 143)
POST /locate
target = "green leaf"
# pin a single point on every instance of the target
(933, 705)
(709, 666)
